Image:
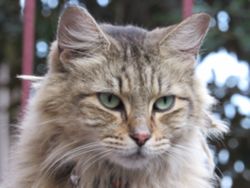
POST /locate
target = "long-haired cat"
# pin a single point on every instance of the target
(119, 107)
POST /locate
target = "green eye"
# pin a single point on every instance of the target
(164, 103)
(109, 100)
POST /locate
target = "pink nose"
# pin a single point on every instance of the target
(140, 138)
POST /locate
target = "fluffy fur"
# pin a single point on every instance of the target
(68, 139)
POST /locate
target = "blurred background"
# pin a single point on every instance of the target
(223, 64)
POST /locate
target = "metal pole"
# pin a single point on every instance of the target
(187, 6)
(28, 46)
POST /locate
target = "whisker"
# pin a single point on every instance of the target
(53, 162)
(48, 121)
(186, 148)
(175, 155)
(95, 159)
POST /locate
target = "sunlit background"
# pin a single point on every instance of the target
(223, 64)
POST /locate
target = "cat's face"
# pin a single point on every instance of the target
(137, 107)
(129, 92)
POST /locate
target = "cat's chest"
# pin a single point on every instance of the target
(109, 180)
(99, 182)
(138, 181)
(104, 177)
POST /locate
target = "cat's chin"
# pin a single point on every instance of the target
(134, 161)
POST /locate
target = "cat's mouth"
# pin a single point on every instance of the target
(138, 155)
(136, 160)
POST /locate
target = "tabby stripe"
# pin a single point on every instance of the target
(120, 84)
(152, 76)
(140, 75)
(128, 81)
(96, 183)
(159, 83)
(79, 97)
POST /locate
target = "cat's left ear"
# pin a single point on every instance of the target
(186, 36)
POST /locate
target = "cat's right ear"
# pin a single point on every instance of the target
(78, 34)
(78, 30)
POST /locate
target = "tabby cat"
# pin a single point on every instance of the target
(119, 107)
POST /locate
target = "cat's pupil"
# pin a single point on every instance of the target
(165, 100)
(110, 97)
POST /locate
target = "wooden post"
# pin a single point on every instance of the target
(28, 46)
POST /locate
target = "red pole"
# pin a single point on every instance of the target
(28, 47)
(187, 6)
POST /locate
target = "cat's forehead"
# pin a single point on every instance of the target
(137, 57)
(129, 41)
(133, 67)
(126, 35)
(135, 77)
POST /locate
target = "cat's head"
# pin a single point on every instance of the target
(127, 94)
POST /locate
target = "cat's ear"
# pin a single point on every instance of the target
(186, 36)
(78, 30)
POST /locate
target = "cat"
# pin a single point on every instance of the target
(120, 107)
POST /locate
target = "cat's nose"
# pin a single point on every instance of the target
(140, 138)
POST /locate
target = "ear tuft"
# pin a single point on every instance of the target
(215, 127)
(78, 30)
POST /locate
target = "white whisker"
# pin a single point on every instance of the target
(54, 162)
(96, 159)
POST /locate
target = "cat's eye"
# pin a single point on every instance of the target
(164, 103)
(109, 100)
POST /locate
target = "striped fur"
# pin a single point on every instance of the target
(68, 139)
